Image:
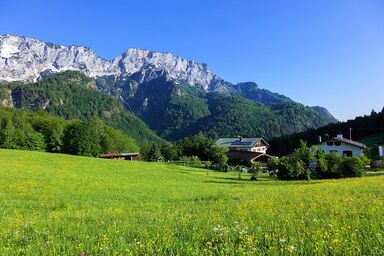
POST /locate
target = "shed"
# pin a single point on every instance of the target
(122, 156)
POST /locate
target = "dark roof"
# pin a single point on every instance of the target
(118, 155)
(350, 142)
(243, 143)
(245, 155)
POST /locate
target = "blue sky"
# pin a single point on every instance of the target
(327, 53)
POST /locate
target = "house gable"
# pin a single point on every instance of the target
(343, 146)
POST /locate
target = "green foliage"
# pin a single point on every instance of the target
(207, 164)
(333, 160)
(41, 131)
(307, 163)
(72, 95)
(273, 165)
(321, 170)
(255, 170)
(17, 133)
(59, 204)
(371, 126)
(198, 145)
(219, 156)
(169, 152)
(353, 166)
(372, 152)
(52, 129)
(81, 138)
(304, 153)
(231, 115)
(291, 168)
(150, 152)
(34, 141)
(174, 111)
(191, 161)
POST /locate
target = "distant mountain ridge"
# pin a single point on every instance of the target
(174, 96)
(27, 59)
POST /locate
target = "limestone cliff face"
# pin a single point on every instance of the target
(26, 59)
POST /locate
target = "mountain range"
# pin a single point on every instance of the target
(175, 97)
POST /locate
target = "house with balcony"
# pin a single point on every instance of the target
(245, 150)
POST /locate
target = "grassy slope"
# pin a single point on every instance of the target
(59, 204)
(373, 139)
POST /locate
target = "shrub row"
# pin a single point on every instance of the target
(312, 163)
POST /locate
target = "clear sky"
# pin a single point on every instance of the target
(320, 52)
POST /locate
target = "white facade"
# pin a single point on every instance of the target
(343, 146)
(262, 149)
(258, 145)
(381, 150)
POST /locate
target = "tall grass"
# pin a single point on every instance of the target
(65, 205)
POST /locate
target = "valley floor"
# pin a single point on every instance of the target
(55, 204)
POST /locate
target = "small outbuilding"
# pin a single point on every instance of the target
(122, 156)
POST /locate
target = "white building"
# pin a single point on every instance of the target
(381, 150)
(343, 146)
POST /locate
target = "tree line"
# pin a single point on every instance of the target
(361, 128)
(197, 149)
(307, 163)
(41, 131)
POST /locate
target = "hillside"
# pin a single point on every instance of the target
(171, 94)
(41, 131)
(178, 110)
(72, 95)
(60, 204)
(367, 129)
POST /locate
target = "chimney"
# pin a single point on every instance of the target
(340, 136)
(240, 138)
(326, 137)
(319, 139)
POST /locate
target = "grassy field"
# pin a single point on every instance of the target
(65, 205)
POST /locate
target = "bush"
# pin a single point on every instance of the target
(273, 165)
(327, 166)
(353, 166)
(207, 164)
(255, 169)
(191, 160)
(291, 168)
(305, 163)
(219, 156)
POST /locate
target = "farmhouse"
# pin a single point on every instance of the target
(122, 156)
(343, 146)
(245, 150)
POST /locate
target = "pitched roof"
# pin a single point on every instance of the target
(236, 142)
(245, 155)
(350, 142)
(118, 155)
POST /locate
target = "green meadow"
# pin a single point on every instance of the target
(54, 204)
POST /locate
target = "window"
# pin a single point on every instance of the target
(337, 143)
(330, 143)
(347, 153)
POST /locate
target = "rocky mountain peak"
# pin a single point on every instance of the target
(26, 59)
